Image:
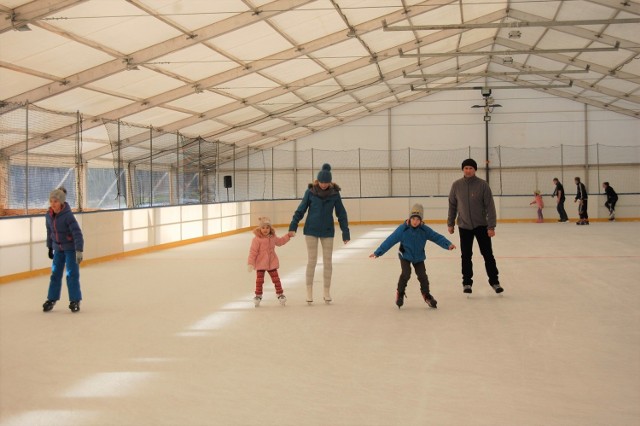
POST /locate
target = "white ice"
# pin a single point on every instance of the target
(172, 338)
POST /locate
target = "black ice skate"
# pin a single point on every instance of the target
(466, 288)
(431, 301)
(400, 299)
(74, 306)
(48, 305)
(497, 288)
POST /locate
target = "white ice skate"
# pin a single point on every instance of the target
(282, 299)
(257, 300)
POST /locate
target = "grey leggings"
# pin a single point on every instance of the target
(312, 251)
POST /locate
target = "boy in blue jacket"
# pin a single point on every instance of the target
(413, 235)
(65, 243)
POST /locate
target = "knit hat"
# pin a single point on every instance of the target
(470, 162)
(417, 210)
(264, 221)
(59, 194)
(324, 175)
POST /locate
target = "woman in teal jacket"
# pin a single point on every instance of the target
(320, 200)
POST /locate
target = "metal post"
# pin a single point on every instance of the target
(26, 164)
(487, 118)
(360, 173)
(151, 166)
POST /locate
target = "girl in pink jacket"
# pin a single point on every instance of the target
(262, 257)
(539, 203)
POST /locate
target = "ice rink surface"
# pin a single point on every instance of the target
(172, 338)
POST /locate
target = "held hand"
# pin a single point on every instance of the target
(451, 229)
(50, 253)
(345, 241)
(292, 234)
(452, 247)
(373, 256)
(78, 257)
(491, 233)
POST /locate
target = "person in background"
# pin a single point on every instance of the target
(558, 194)
(471, 202)
(537, 200)
(320, 200)
(413, 235)
(66, 244)
(582, 197)
(612, 199)
(262, 257)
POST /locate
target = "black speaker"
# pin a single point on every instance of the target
(227, 182)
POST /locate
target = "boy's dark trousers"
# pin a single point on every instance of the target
(582, 210)
(611, 205)
(466, 247)
(421, 272)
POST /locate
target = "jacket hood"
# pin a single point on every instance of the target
(257, 232)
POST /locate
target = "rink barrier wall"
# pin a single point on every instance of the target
(111, 235)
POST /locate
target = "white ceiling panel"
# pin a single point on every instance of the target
(142, 83)
(89, 102)
(340, 53)
(246, 86)
(32, 49)
(14, 83)
(252, 42)
(279, 103)
(203, 128)
(293, 70)
(112, 24)
(194, 14)
(201, 102)
(156, 117)
(195, 62)
(359, 11)
(310, 22)
(241, 116)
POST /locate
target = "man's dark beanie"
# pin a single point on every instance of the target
(470, 162)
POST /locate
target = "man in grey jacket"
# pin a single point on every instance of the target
(471, 201)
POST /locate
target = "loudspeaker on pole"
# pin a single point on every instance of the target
(227, 181)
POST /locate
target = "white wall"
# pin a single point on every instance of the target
(445, 120)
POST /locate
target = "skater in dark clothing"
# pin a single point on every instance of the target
(582, 197)
(612, 199)
(65, 243)
(471, 202)
(558, 194)
(412, 235)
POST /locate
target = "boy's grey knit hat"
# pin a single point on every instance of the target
(417, 210)
(59, 194)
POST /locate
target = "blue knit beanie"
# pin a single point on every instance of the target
(324, 175)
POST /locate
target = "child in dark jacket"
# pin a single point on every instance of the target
(413, 235)
(65, 243)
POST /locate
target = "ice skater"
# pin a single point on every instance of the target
(413, 235)
(582, 197)
(66, 244)
(262, 257)
(558, 194)
(320, 200)
(612, 199)
(537, 200)
(471, 201)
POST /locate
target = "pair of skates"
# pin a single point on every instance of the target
(282, 299)
(428, 298)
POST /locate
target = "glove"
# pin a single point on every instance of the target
(50, 253)
(78, 257)
(250, 268)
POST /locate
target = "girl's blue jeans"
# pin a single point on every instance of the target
(60, 260)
